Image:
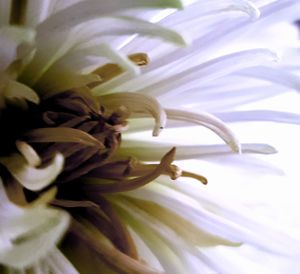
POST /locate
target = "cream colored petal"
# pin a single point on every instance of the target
(16, 90)
(27, 151)
(30, 177)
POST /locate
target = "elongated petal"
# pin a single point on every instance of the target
(278, 76)
(111, 254)
(171, 225)
(208, 121)
(61, 41)
(260, 115)
(215, 224)
(30, 177)
(146, 151)
(36, 229)
(90, 9)
(29, 153)
(16, 44)
(37, 11)
(67, 72)
(206, 72)
(16, 90)
(200, 9)
(59, 80)
(164, 253)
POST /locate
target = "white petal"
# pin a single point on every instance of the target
(36, 12)
(164, 253)
(10, 39)
(204, 8)
(91, 9)
(7, 208)
(27, 151)
(259, 115)
(208, 121)
(236, 231)
(36, 229)
(276, 76)
(30, 177)
(209, 71)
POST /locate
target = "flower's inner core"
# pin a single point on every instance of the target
(75, 124)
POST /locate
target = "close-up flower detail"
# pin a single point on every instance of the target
(102, 103)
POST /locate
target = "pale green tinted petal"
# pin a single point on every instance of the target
(164, 253)
(91, 9)
(12, 39)
(27, 151)
(16, 90)
(29, 237)
(148, 151)
(146, 28)
(64, 79)
(61, 76)
(31, 177)
(51, 50)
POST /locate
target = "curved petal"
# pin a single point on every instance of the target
(208, 121)
(139, 104)
(30, 177)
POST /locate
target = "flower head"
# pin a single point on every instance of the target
(69, 101)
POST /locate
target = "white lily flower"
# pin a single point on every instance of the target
(81, 79)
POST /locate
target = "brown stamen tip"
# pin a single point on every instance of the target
(140, 59)
(107, 72)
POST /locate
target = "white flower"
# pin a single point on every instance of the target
(74, 72)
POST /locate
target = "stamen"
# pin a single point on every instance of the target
(62, 135)
(71, 204)
(131, 184)
(196, 176)
(122, 238)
